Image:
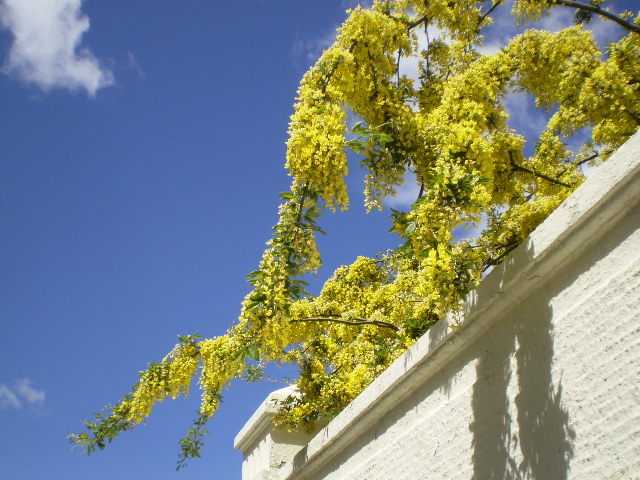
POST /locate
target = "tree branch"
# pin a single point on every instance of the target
(596, 9)
(415, 23)
(488, 12)
(334, 67)
(634, 116)
(538, 174)
(588, 159)
(303, 194)
(356, 323)
(493, 261)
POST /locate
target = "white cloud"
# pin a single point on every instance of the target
(46, 50)
(470, 230)
(133, 64)
(523, 114)
(409, 64)
(557, 19)
(502, 30)
(406, 194)
(306, 51)
(23, 391)
(24, 388)
(8, 398)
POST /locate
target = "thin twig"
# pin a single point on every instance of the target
(578, 163)
(634, 116)
(537, 174)
(592, 157)
(415, 23)
(334, 67)
(493, 261)
(409, 25)
(426, 34)
(588, 159)
(303, 193)
(488, 12)
(356, 323)
(605, 13)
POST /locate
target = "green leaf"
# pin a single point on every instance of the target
(256, 274)
(189, 338)
(356, 146)
(410, 228)
(258, 306)
(316, 228)
(287, 195)
(239, 356)
(383, 138)
(253, 352)
(360, 128)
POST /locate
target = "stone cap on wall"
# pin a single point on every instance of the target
(266, 448)
(261, 420)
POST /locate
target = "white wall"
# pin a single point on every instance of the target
(541, 379)
(266, 449)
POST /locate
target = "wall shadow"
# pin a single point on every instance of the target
(546, 436)
(491, 427)
(522, 344)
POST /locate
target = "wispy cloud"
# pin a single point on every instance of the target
(46, 51)
(354, 3)
(406, 194)
(409, 64)
(25, 388)
(8, 398)
(306, 50)
(556, 19)
(524, 117)
(23, 392)
(132, 64)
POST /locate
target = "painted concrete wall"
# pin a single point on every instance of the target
(541, 381)
(267, 450)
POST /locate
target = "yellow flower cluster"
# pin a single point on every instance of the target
(315, 149)
(170, 378)
(447, 126)
(471, 165)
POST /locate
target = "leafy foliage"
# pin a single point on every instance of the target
(446, 128)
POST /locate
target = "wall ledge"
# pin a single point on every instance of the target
(261, 420)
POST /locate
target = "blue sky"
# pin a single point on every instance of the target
(141, 154)
(131, 214)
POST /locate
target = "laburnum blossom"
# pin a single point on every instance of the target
(446, 127)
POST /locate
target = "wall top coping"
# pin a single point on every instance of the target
(602, 200)
(261, 420)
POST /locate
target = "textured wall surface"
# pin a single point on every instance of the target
(541, 379)
(266, 450)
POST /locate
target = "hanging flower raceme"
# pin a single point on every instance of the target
(446, 126)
